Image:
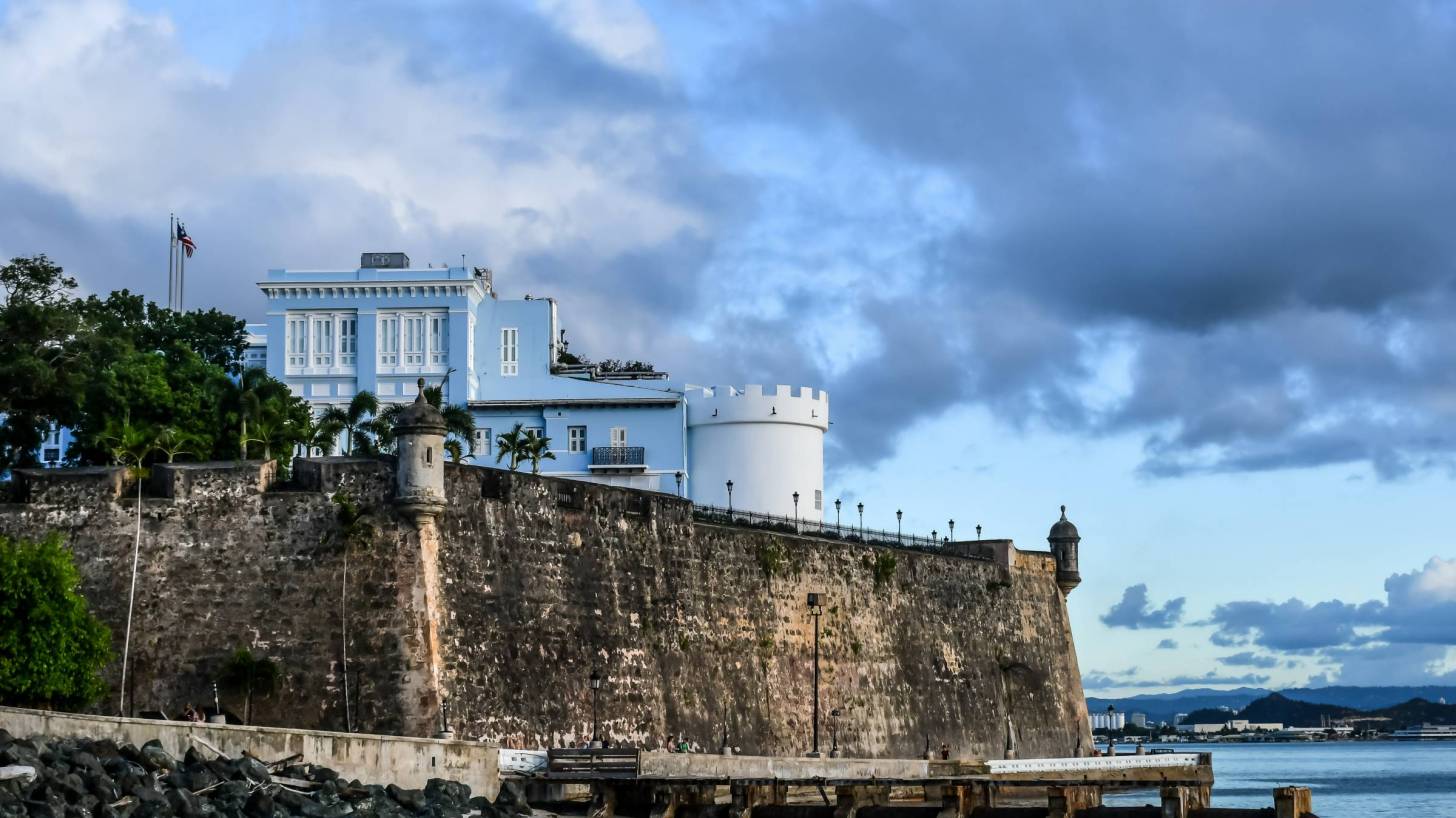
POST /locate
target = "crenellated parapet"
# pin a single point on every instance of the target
(756, 403)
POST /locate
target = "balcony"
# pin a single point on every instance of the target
(632, 458)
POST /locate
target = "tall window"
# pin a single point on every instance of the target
(619, 436)
(439, 339)
(818, 499)
(297, 342)
(323, 340)
(482, 442)
(388, 340)
(348, 341)
(510, 362)
(576, 438)
(414, 340)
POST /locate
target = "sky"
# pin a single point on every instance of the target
(1184, 267)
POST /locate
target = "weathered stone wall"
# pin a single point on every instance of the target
(697, 628)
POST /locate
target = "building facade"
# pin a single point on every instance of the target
(330, 334)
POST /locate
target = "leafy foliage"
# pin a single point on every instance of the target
(249, 676)
(51, 647)
(96, 364)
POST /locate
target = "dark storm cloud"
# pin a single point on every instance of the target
(1135, 611)
(1167, 644)
(1417, 620)
(1260, 194)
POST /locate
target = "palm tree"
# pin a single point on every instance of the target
(455, 450)
(538, 449)
(257, 395)
(512, 444)
(172, 443)
(323, 434)
(459, 423)
(247, 675)
(362, 407)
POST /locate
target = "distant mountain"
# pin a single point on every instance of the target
(1417, 711)
(1278, 708)
(1164, 706)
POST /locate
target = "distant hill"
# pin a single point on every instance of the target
(1163, 706)
(1279, 708)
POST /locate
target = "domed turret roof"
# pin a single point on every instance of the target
(1063, 529)
(421, 416)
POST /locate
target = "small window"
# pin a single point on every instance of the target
(818, 500)
(535, 431)
(576, 438)
(429, 455)
(52, 455)
(619, 436)
(510, 351)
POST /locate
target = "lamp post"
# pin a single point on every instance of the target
(730, 501)
(952, 530)
(934, 536)
(978, 531)
(679, 476)
(1111, 742)
(815, 610)
(836, 513)
(834, 733)
(861, 521)
(596, 685)
(898, 515)
(796, 512)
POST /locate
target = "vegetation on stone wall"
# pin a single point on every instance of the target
(51, 647)
(772, 557)
(882, 567)
(247, 675)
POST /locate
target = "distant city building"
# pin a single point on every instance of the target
(1109, 721)
(1178, 718)
(333, 333)
(1138, 719)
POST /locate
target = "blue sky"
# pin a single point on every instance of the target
(1187, 268)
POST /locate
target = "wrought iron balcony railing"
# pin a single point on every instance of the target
(619, 456)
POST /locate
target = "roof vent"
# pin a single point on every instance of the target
(384, 261)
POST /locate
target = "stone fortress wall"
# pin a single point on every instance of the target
(697, 628)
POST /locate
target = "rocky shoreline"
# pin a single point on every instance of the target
(77, 778)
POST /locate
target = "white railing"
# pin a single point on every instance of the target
(1061, 765)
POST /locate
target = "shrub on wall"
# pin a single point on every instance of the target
(51, 646)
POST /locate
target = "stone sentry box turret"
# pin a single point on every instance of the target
(1064, 539)
(419, 434)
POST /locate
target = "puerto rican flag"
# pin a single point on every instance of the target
(188, 245)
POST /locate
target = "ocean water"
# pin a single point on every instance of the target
(1347, 779)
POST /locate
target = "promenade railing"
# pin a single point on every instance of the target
(720, 515)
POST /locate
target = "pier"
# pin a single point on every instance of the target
(673, 785)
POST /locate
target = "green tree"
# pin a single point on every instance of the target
(459, 423)
(513, 445)
(361, 409)
(536, 450)
(249, 676)
(51, 647)
(41, 376)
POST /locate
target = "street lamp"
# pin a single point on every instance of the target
(815, 610)
(1111, 742)
(679, 477)
(934, 536)
(836, 514)
(898, 515)
(596, 685)
(834, 733)
(861, 521)
(730, 501)
(952, 530)
(796, 512)
(978, 531)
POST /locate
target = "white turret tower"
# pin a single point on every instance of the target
(770, 443)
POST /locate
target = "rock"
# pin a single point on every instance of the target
(105, 788)
(254, 769)
(86, 762)
(322, 774)
(412, 800)
(259, 805)
(161, 759)
(184, 803)
(298, 804)
(442, 791)
(192, 758)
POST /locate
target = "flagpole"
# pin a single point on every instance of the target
(171, 260)
(181, 278)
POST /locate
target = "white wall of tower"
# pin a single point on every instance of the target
(768, 440)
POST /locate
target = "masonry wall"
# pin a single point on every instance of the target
(697, 628)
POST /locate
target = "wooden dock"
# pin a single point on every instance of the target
(631, 782)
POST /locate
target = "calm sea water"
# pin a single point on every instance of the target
(1347, 779)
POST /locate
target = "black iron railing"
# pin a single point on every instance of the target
(619, 456)
(830, 531)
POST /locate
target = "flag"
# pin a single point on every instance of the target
(185, 240)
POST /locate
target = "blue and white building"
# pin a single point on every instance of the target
(332, 333)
